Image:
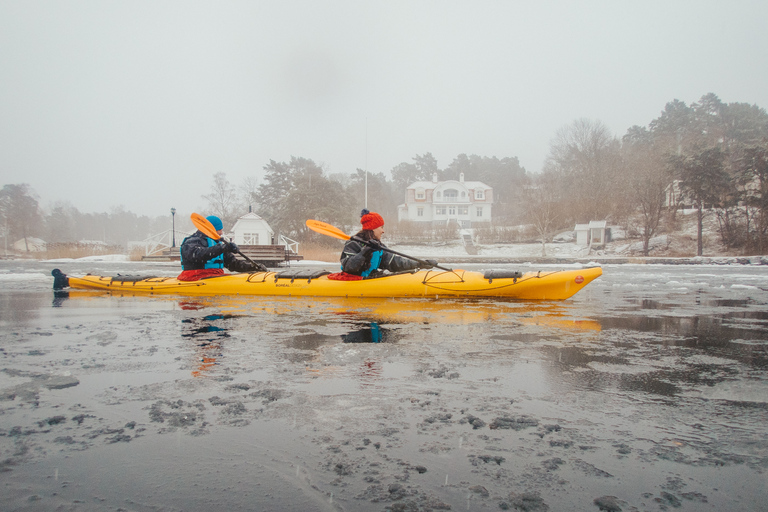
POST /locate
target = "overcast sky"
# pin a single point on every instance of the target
(138, 103)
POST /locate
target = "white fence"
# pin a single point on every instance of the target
(158, 243)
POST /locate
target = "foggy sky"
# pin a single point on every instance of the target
(139, 103)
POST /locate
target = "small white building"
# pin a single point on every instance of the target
(251, 229)
(439, 202)
(592, 234)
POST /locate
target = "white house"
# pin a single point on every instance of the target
(592, 234)
(251, 229)
(439, 202)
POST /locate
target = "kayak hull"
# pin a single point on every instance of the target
(542, 285)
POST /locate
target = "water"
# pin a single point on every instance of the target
(645, 391)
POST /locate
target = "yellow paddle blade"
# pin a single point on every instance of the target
(326, 229)
(205, 226)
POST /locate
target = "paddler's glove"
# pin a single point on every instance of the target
(257, 267)
(426, 264)
(230, 247)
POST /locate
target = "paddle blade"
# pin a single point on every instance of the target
(205, 226)
(326, 229)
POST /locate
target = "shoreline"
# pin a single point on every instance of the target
(501, 260)
(609, 260)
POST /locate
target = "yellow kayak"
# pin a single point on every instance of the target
(540, 285)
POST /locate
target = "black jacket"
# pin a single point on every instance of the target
(195, 253)
(356, 259)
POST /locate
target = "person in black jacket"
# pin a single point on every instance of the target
(202, 256)
(370, 259)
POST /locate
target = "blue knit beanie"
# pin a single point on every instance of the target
(217, 224)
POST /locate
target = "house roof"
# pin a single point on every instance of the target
(251, 215)
(592, 225)
(429, 185)
(249, 219)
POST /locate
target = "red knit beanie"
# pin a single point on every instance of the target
(371, 220)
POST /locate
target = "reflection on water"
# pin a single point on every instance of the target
(18, 308)
(720, 335)
(207, 333)
(652, 304)
(371, 334)
(59, 297)
(644, 380)
(706, 351)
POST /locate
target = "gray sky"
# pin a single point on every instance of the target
(138, 103)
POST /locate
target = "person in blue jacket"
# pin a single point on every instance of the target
(370, 259)
(202, 256)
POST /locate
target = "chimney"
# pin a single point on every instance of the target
(461, 177)
(434, 177)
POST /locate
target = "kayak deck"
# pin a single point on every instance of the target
(540, 285)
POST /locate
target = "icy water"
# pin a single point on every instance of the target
(648, 390)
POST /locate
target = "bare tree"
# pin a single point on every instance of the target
(20, 212)
(543, 208)
(249, 190)
(648, 178)
(585, 158)
(222, 200)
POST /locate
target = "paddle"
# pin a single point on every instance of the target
(328, 230)
(205, 227)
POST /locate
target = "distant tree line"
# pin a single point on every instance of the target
(708, 155)
(21, 218)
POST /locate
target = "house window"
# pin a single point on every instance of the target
(452, 210)
(440, 210)
(437, 194)
(419, 212)
(250, 239)
(479, 194)
(463, 210)
(463, 194)
(451, 194)
(420, 193)
(479, 212)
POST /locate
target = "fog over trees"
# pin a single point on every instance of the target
(708, 155)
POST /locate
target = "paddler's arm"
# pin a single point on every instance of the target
(355, 257)
(395, 263)
(195, 253)
(235, 265)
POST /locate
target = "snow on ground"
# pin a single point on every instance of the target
(103, 257)
(457, 250)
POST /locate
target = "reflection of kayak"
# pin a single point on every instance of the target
(541, 285)
(417, 310)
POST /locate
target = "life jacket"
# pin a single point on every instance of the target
(375, 260)
(218, 261)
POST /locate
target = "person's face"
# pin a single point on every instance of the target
(378, 232)
(220, 232)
